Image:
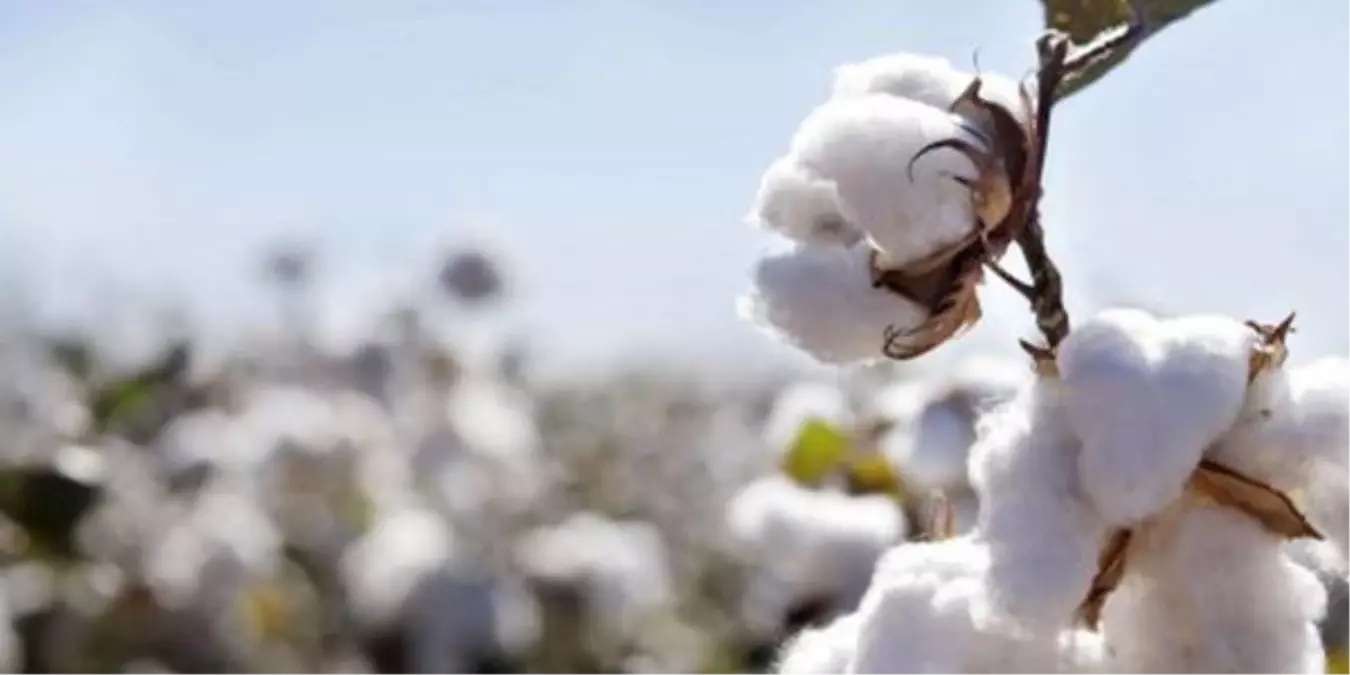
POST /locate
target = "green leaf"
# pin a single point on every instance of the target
(1085, 20)
(133, 405)
(818, 450)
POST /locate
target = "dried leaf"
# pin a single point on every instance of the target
(943, 524)
(1270, 507)
(1216, 484)
(1110, 570)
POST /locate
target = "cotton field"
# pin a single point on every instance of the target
(407, 507)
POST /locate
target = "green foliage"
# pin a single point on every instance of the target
(138, 405)
(1084, 20)
(818, 450)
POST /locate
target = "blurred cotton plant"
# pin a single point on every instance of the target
(1132, 496)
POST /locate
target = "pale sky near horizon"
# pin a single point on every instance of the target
(611, 148)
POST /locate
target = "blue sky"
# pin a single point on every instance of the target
(611, 147)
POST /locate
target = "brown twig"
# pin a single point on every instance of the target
(1046, 290)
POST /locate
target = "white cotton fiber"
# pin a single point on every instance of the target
(801, 206)
(822, 302)
(383, 569)
(1147, 397)
(864, 146)
(1209, 591)
(918, 617)
(919, 77)
(821, 651)
(1043, 538)
(1293, 435)
(807, 544)
(927, 79)
(1295, 424)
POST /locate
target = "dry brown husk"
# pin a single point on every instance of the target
(945, 282)
(1210, 484)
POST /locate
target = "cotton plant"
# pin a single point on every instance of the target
(605, 590)
(409, 576)
(879, 185)
(1136, 494)
(930, 424)
(807, 549)
(806, 536)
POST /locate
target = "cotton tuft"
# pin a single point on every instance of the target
(807, 545)
(1147, 397)
(864, 146)
(921, 615)
(1043, 539)
(821, 651)
(822, 302)
(931, 80)
(802, 206)
(1209, 590)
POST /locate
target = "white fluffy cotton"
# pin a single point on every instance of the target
(1208, 590)
(822, 302)
(383, 569)
(1293, 435)
(808, 544)
(927, 79)
(801, 206)
(1147, 397)
(822, 651)
(619, 567)
(1043, 538)
(920, 615)
(864, 145)
(1296, 422)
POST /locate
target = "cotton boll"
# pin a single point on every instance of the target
(824, 650)
(1294, 426)
(1322, 557)
(927, 79)
(806, 544)
(618, 567)
(1326, 501)
(801, 206)
(493, 419)
(381, 570)
(822, 302)
(1209, 590)
(1042, 538)
(920, 613)
(1147, 397)
(864, 146)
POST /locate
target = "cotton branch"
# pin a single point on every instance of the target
(1045, 292)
